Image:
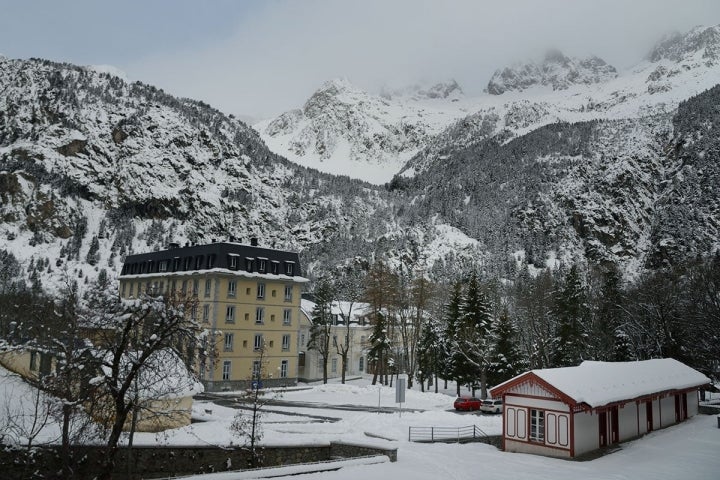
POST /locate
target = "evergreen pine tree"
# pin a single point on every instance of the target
(506, 360)
(93, 255)
(571, 313)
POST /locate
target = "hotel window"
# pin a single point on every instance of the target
(229, 338)
(256, 369)
(287, 316)
(188, 263)
(260, 291)
(208, 287)
(249, 264)
(333, 367)
(537, 425)
(211, 261)
(286, 342)
(198, 262)
(230, 315)
(33, 361)
(196, 287)
(275, 266)
(233, 262)
(284, 369)
(173, 286)
(193, 312)
(262, 265)
(259, 315)
(123, 289)
(288, 293)
(206, 313)
(289, 267)
(226, 370)
(232, 288)
(162, 266)
(361, 364)
(132, 287)
(184, 288)
(258, 343)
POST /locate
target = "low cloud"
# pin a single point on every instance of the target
(280, 53)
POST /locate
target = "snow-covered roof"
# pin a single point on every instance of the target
(601, 383)
(164, 375)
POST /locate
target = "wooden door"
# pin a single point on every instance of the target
(614, 425)
(649, 415)
(602, 426)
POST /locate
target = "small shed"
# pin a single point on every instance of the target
(570, 411)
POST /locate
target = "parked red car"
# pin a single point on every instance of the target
(467, 403)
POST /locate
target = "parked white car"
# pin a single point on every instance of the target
(491, 405)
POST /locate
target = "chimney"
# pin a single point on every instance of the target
(254, 242)
(231, 239)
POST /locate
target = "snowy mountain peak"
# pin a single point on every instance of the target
(556, 70)
(678, 47)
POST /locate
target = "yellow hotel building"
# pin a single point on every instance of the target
(247, 296)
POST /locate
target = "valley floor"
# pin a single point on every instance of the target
(688, 450)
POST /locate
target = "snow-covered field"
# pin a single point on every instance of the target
(689, 450)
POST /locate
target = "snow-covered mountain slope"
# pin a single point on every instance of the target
(676, 69)
(555, 71)
(345, 131)
(92, 168)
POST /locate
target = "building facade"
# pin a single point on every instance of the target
(247, 302)
(348, 319)
(570, 411)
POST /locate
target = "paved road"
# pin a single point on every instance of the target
(239, 402)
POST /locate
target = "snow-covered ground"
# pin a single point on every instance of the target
(688, 450)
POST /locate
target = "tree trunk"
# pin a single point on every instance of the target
(483, 383)
(436, 384)
(66, 414)
(344, 367)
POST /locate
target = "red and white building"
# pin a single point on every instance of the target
(566, 412)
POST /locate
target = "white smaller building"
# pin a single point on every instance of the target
(570, 411)
(347, 317)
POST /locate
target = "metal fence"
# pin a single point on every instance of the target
(446, 434)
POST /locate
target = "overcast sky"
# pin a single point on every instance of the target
(259, 58)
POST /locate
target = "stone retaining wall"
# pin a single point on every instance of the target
(156, 462)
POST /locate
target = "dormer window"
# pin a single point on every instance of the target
(289, 268)
(188, 262)
(198, 262)
(162, 266)
(275, 266)
(262, 265)
(249, 264)
(233, 261)
(176, 264)
(211, 261)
